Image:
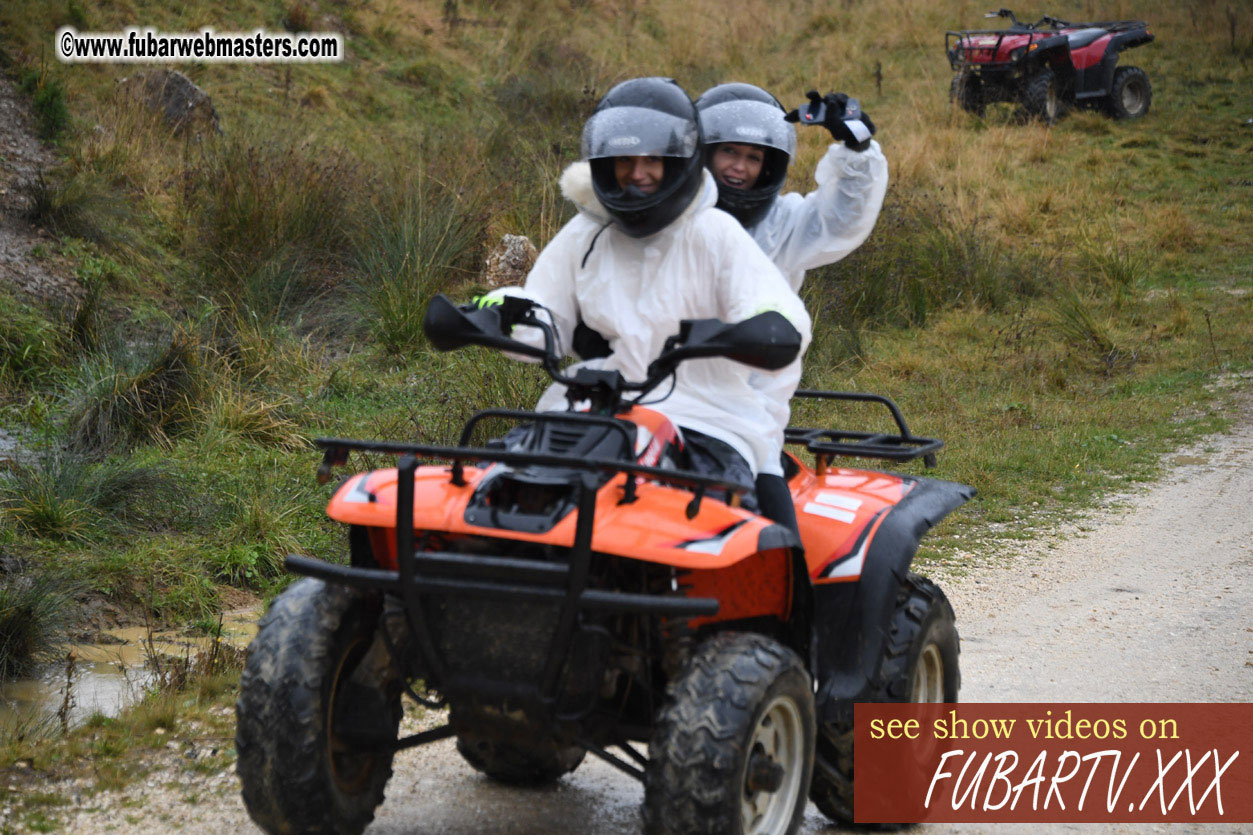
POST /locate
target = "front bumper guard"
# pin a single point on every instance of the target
(421, 572)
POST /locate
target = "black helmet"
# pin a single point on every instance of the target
(645, 117)
(748, 115)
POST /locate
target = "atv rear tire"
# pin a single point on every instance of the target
(297, 770)
(919, 664)
(1040, 98)
(1130, 95)
(966, 91)
(515, 765)
(732, 753)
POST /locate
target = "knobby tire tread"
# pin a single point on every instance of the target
(280, 736)
(692, 783)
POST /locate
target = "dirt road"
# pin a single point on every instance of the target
(1146, 601)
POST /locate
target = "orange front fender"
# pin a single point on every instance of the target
(653, 528)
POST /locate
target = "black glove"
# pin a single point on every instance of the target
(839, 114)
(510, 310)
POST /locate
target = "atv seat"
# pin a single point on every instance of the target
(1083, 37)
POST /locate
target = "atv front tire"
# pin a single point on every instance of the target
(515, 765)
(1130, 95)
(1040, 98)
(301, 767)
(966, 91)
(919, 664)
(732, 753)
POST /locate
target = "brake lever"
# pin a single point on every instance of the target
(814, 113)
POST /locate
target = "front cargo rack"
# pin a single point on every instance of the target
(825, 443)
(962, 50)
(422, 573)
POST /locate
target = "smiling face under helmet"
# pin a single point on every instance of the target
(637, 118)
(748, 115)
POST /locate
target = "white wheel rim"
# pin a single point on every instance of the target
(928, 683)
(779, 735)
(1131, 98)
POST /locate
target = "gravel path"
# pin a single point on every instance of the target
(1148, 599)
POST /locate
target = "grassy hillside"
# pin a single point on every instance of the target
(1060, 304)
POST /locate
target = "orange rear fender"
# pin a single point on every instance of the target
(838, 514)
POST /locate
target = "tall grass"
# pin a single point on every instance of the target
(231, 415)
(77, 200)
(919, 260)
(426, 240)
(272, 221)
(36, 609)
(1081, 326)
(132, 394)
(66, 496)
(32, 349)
(248, 350)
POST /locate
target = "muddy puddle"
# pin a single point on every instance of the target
(107, 677)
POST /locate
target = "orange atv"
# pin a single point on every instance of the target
(571, 588)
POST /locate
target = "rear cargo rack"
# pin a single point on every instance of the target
(825, 443)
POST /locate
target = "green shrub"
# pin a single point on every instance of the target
(272, 222)
(126, 396)
(244, 565)
(52, 114)
(78, 201)
(75, 15)
(68, 497)
(35, 611)
(48, 103)
(31, 350)
(418, 245)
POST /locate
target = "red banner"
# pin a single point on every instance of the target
(1074, 763)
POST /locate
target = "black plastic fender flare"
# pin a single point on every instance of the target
(850, 620)
(1118, 43)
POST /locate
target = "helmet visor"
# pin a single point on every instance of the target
(748, 122)
(638, 132)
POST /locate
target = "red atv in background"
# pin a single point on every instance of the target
(1048, 65)
(572, 587)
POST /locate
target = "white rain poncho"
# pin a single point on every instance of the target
(635, 291)
(801, 232)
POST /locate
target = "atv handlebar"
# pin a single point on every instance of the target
(766, 341)
(1046, 20)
